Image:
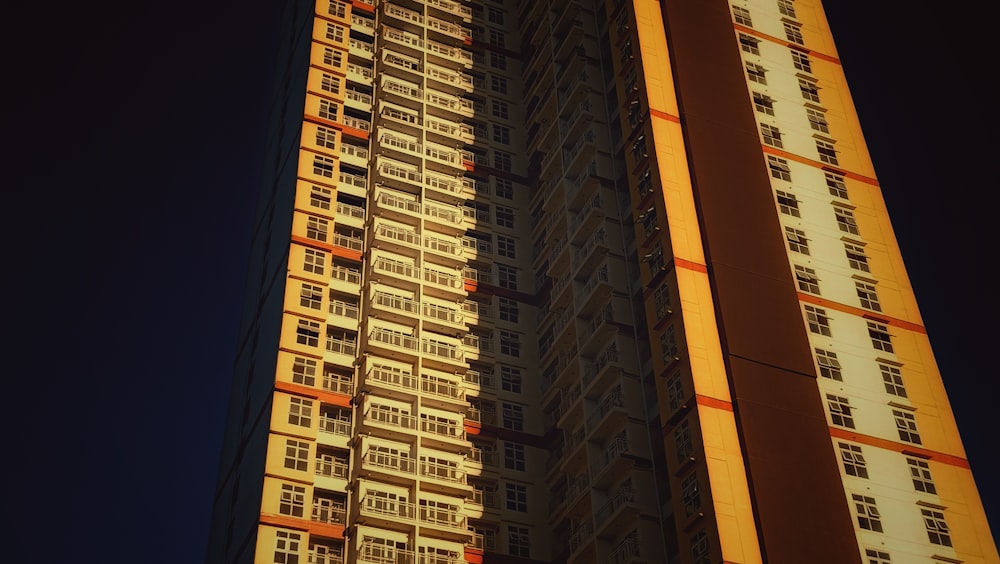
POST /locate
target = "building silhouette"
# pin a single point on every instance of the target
(583, 282)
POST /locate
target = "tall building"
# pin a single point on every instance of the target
(584, 282)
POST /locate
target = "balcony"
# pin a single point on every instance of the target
(627, 551)
(442, 427)
(443, 516)
(355, 180)
(442, 471)
(348, 242)
(393, 170)
(393, 379)
(384, 552)
(396, 268)
(446, 279)
(362, 48)
(403, 14)
(330, 511)
(407, 307)
(344, 309)
(335, 426)
(390, 417)
(338, 383)
(330, 466)
(402, 37)
(443, 246)
(448, 28)
(451, 7)
(347, 347)
(448, 315)
(386, 460)
(394, 339)
(376, 505)
(323, 554)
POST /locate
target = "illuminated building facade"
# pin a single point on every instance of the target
(585, 282)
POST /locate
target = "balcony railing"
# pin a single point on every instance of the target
(450, 429)
(392, 378)
(331, 511)
(388, 416)
(392, 461)
(386, 506)
(344, 309)
(341, 346)
(387, 337)
(440, 471)
(441, 387)
(335, 426)
(398, 303)
(345, 274)
(332, 466)
(338, 383)
(626, 550)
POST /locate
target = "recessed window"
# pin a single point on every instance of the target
(668, 345)
(501, 134)
(771, 134)
(304, 371)
(504, 188)
(518, 541)
(906, 425)
(826, 151)
(333, 57)
(763, 103)
(700, 548)
(856, 257)
(505, 216)
(498, 60)
(513, 417)
(320, 197)
(307, 333)
(510, 343)
(829, 365)
(793, 32)
(317, 229)
(497, 38)
(801, 61)
(513, 456)
(867, 513)
(682, 442)
(675, 392)
(893, 380)
(787, 203)
(786, 8)
(507, 276)
(323, 166)
(498, 84)
(756, 73)
(807, 280)
(314, 261)
(846, 221)
(817, 120)
(296, 455)
(797, 241)
(853, 459)
(335, 32)
(920, 473)
(500, 109)
(750, 44)
(809, 90)
(840, 411)
(287, 546)
(502, 160)
(742, 16)
(311, 296)
(509, 310)
(877, 556)
(300, 411)
(506, 246)
(662, 300)
(328, 110)
(867, 295)
(517, 497)
(779, 168)
(937, 529)
(292, 501)
(510, 378)
(835, 183)
(690, 494)
(326, 138)
(879, 334)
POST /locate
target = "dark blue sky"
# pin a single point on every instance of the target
(134, 133)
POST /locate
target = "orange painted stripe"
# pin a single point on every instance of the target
(312, 243)
(324, 396)
(690, 265)
(876, 442)
(473, 555)
(785, 42)
(664, 115)
(901, 323)
(800, 159)
(714, 403)
(346, 253)
(356, 5)
(322, 529)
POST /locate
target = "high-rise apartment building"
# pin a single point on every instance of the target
(585, 282)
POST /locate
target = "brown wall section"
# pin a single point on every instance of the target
(798, 496)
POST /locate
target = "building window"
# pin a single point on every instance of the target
(507, 276)
(668, 345)
(304, 371)
(498, 60)
(501, 134)
(320, 197)
(788, 204)
(500, 109)
(330, 83)
(655, 259)
(806, 279)
(771, 134)
(518, 541)
(817, 120)
(333, 57)
(328, 110)
(920, 473)
(337, 9)
(877, 556)
(786, 8)
(756, 73)
(750, 44)
(682, 442)
(867, 295)
(893, 380)
(286, 547)
(826, 152)
(510, 343)
(937, 529)
(323, 166)
(854, 461)
(856, 257)
(317, 229)
(307, 333)
(509, 310)
(690, 495)
(510, 378)
(293, 500)
(300, 412)
(513, 456)
(809, 90)
(326, 138)
(505, 216)
(314, 261)
(506, 246)
(742, 16)
(498, 84)
(497, 38)
(504, 188)
(797, 241)
(846, 221)
(829, 365)
(840, 411)
(906, 425)
(801, 61)
(517, 497)
(763, 103)
(296, 455)
(311, 296)
(662, 301)
(675, 392)
(639, 150)
(867, 513)
(700, 549)
(779, 168)
(513, 417)
(879, 334)
(502, 160)
(335, 32)
(835, 183)
(793, 32)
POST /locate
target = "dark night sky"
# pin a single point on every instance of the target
(134, 133)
